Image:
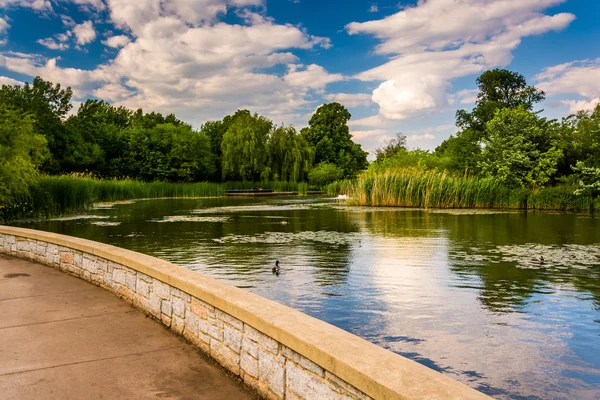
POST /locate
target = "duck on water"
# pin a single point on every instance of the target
(275, 268)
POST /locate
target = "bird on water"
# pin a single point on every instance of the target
(275, 268)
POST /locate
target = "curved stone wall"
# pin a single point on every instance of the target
(281, 352)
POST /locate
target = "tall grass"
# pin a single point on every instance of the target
(433, 189)
(69, 194)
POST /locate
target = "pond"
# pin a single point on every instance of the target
(461, 291)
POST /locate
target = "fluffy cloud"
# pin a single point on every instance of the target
(313, 77)
(579, 77)
(4, 25)
(38, 5)
(116, 41)
(440, 40)
(53, 44)
(9, 81)
(175, 56)
(350, 99)
(84, 33)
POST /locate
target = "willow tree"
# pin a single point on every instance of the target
(244, 148)
(290, 155)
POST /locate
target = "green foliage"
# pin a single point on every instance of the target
(48, 104)
(290, 156)
(328, 133)
(512, 153)
(22, 151)
(170, 152)
(244, 148)
(589, 180)
(391, 147)
(324, 174)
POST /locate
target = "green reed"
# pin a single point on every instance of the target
(69, 194)
(434, 189)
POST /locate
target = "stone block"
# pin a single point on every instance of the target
(225, 356)
(340, 385)
(223, 316)
(119, 276)
(302, 361)
(200, 308)
(192, 322)
(269, 344)
(131, 280)
(177, 324)
(181, 294)
(161, 289)
(66, 257)
(179, 306)
(232, 338)
(251, 333)
(215, 332)
(250, 347)
(249, 364)
(142, 287)
(306, 384)
(271, 371)
(166, 308)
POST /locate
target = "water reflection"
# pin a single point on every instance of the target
(462, 292)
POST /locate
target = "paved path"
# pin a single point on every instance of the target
(63, 338)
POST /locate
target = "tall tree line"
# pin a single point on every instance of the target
(114, 142)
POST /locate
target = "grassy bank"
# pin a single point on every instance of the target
(432, 189)
(63, 195)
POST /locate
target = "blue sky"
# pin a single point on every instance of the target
(398, 66)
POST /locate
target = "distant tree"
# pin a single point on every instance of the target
(498, 89)
(391, 147)
(290, 156)
(328, 133)
(215, 131)
(244, 148)
(324, 174)
(168, 152)
(22, 152)
(511, 153)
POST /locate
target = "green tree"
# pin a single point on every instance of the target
(579, 137)
(513, 153)
(22, 152)
(328, 133)
(215, 131)
(391, 147)
(49, 105)
(244, 148)
(101, 127)
(168, 152)
(324, 174)
(290, 156)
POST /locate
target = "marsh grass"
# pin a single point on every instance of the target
(434, 189)
(69, 194)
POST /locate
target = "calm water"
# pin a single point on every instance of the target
(460, 292)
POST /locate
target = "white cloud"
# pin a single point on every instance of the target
(89, 5)
(437, 41)
(4, 25)
(9, 81)
(38, 5)
(176, 62)
(578, 77)
(374, 8)
(359, 135)
(84, 33)
(350, 99)
(420, 138)
(313, 77)
(465, 96)
(116, 41)
(53, 44)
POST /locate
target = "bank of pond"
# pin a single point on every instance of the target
(68, 194)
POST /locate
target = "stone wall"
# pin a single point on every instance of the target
(273, 368)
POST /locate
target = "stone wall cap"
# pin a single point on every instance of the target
(371, 369)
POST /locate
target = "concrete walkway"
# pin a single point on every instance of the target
(63, 338)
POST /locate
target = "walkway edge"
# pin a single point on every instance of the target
(281, 352)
